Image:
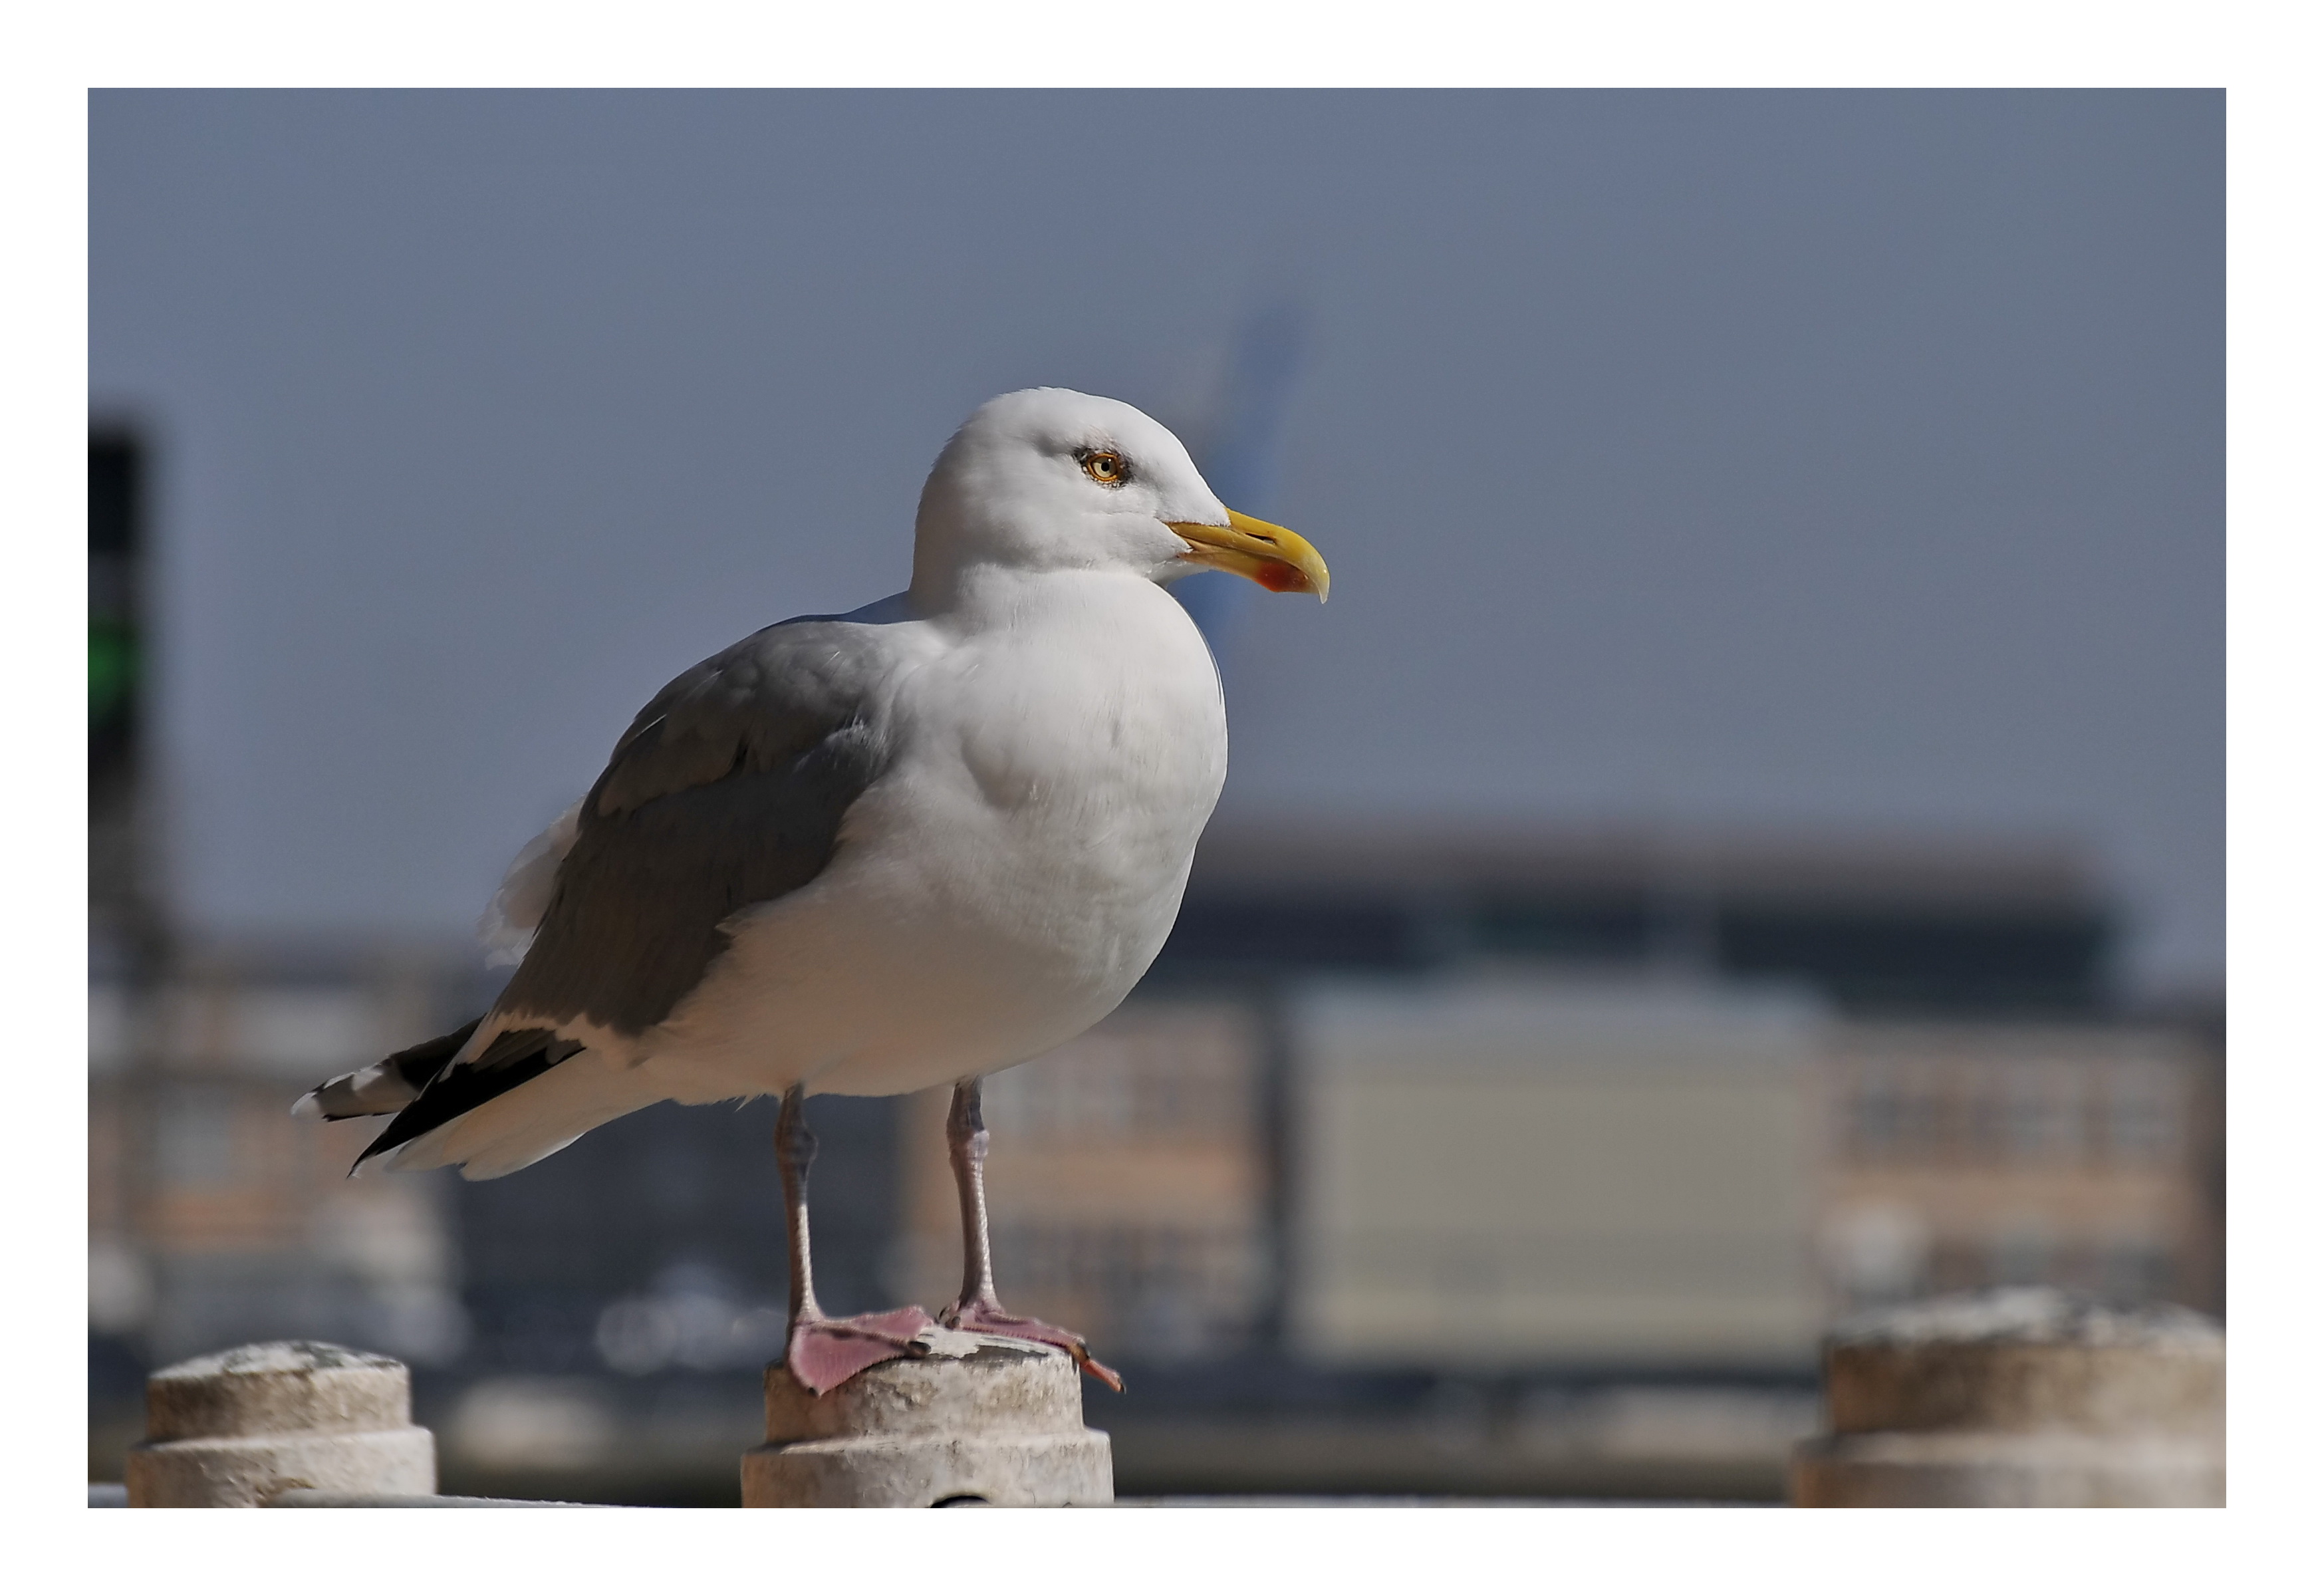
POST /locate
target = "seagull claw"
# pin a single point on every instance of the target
(991, 1319)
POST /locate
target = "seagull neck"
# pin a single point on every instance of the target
(987, 596)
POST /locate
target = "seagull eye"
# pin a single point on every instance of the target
(1103, 465)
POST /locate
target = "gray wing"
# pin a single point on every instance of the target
(727, 791)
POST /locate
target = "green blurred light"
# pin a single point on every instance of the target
(112, 670)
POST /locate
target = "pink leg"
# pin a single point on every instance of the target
(823, 1352)
(976, 1307)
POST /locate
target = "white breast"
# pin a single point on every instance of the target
(1009, 881)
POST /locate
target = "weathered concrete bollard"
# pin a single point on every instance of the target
(2025, 1397)
(235, 1429)
(979, 1418)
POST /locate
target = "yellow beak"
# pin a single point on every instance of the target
(1280, 560)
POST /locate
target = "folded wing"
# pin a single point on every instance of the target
(729, 791)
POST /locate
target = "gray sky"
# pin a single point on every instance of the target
(1815, 462)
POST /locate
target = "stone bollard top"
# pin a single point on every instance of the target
(2025, 1360)
(965, 1383)
(276, 1387)
(2030, 1316)
(969, 1417)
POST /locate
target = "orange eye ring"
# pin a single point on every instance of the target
(1103, 465)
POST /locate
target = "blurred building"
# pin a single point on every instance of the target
(1517, 1162)
(1517, 1100)
(1970, 1153)
(1488, 1167)
(214, 1217)
(1897, 924)
(1133, 1182)
(1507, 1174)
(1537, 1169)
(1566, 1167)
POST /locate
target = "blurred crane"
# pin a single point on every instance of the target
(1237, 449)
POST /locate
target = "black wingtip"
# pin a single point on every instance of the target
(510, 1060)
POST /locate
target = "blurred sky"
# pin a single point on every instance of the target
(1786, 462)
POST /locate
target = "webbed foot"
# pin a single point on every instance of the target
(824, 1352)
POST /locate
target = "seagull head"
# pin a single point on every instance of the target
(1050, 479)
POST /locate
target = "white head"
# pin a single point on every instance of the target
(1050, 479)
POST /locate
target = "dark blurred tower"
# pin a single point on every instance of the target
(127, 932)
(124, 923)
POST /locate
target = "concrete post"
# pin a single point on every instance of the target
(235, 1429)
(2024, 1397)
(979, 1418)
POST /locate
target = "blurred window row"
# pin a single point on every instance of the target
(1177, 1079)
(1160, 1290)
(2127, 1268)
(1884, 1252)
(2057, 1113)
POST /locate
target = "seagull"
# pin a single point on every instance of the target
(875, 852)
